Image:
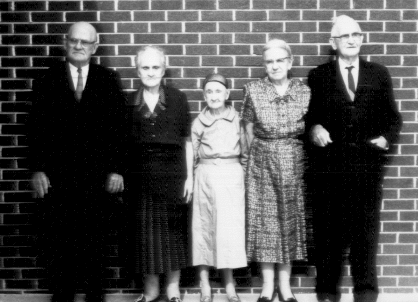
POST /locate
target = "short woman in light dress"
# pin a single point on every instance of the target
(273, 111)
(218, 222)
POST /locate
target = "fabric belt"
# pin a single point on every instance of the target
(218, 161)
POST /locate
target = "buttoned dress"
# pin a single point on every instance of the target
(275, 213)
(218, 222)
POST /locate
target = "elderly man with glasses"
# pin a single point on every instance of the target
(77, 145)
(352, 122)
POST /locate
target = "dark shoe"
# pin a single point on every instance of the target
(265, 299)
(141, 298)
(94, 298)
(59, 297)
(325, 300)
(175, 299)
(293, 299)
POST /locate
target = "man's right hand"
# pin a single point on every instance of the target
(40, 183)
(320, 136)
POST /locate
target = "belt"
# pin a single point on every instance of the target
(218, 161)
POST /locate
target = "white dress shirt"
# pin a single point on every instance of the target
(354, 72)
(74, 74)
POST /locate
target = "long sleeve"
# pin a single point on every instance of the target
(393, 120)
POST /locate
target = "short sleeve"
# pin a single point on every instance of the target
(247, 112)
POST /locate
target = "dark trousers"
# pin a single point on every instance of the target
(346, 206)
(72, 234)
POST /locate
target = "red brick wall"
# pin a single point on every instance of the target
(202, 37)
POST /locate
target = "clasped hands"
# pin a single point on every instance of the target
(321, 138)
(41, 184)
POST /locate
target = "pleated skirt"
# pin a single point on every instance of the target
(160, 215)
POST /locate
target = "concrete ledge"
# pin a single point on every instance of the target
(195, 298)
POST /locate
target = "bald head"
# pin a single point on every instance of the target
(343, 21)
(346, 38)
(81, 43)
(83, 27)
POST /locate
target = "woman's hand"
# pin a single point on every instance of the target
(188, 189)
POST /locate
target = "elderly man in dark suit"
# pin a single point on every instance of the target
(353, 122)
(77, 146)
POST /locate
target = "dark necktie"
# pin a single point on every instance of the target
(351, 85)
(79, 88)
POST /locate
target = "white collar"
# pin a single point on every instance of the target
(84, 69)
(343, 64)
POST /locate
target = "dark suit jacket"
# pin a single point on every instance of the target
(353, 124)
(77, 143)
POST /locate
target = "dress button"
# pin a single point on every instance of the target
(152, 135)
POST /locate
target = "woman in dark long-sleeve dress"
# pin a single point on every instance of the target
(160, 178)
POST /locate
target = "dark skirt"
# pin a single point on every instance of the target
(154, 188)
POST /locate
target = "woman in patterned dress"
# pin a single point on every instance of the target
(273, 112)
(160, 176)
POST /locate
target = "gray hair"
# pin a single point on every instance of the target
(277, 43)
(157, 49)
(336, 21)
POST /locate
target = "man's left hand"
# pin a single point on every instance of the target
(380, 142)
(114, 183)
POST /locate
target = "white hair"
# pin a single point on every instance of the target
(336, 21)
(277, 43)
(154, 48)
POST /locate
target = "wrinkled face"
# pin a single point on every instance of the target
(151, 68)
(81, 44)
(277, 63)
(347, 40)
(215, 95)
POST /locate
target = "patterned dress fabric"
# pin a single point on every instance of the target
(155, 182)
(218, 220)
(274, 180)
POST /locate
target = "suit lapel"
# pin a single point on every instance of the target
(363, 75)
(90, 78)
(340, 85)
(69, 82)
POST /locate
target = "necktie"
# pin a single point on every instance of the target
(351, 85)
(79, 88)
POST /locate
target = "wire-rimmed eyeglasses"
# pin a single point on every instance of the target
(344, 38)
(84, 43)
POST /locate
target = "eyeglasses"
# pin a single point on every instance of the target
(84, 43)
(280, 61)
(344, 38)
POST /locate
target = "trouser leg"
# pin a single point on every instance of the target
(365, 238)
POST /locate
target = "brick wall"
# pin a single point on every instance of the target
(201, 37)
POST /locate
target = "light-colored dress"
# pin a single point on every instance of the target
(218, 222)
(274, 181)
